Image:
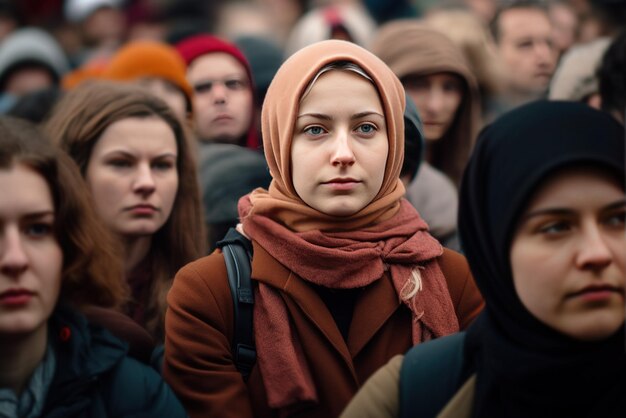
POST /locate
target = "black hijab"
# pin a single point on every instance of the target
(525, 368)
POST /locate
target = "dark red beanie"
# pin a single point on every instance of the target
(198, 45)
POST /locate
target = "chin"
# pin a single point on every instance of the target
(598, 328)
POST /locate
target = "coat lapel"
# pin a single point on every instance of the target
(372, 310)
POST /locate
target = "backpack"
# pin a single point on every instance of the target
(430, 375)
(237, 250)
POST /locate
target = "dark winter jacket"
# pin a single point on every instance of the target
(95, 378)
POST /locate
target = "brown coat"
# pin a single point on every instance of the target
(199, 327)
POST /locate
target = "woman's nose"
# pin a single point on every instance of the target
(144, 180)
(342, 152)
(13, 257)
(594, 251)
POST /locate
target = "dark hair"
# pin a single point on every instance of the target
(612, 76)
(76, 124)
(494, 24)
(92, 270)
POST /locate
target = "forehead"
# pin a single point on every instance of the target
(584, 185)
(215, 65)
(23, 190)
(523, 22)
(149, 135)
(335, 84)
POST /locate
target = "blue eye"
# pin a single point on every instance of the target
(367, 128)
(314, 130)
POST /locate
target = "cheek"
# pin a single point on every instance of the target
(169, 189)
(299, 168)
(537, 278)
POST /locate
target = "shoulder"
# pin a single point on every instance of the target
(132, 387)
(200, 278)
(379, 395)
(466, 298)
(453, 265)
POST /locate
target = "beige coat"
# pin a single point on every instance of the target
(379, 396)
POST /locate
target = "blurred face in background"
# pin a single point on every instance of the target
(133, 176)
(526, 48)
(223, 99)
(437, 98)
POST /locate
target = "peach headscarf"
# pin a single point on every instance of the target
(280, 111)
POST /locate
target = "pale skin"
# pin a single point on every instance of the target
(222, 97)
(437, 98)
(525, 45)
(568, 256)
(31, 260)
(340, 147)
(133, 178)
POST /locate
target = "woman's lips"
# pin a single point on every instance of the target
(143, 209)
(15, 297)
(598, 293)
(342, 184)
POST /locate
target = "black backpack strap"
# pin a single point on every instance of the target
(237, 250)
(431, 375)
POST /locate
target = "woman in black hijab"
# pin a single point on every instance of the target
(523, 224)
(541, 220)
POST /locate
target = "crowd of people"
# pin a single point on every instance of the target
(428, 200)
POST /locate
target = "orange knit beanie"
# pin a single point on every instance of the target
(143, 59)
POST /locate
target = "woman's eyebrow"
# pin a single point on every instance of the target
(547, 211)
(316, 115)
(615, 205)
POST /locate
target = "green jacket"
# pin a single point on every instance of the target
(95, 378)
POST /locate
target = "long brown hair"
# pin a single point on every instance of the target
(76, 124)
(92, 269)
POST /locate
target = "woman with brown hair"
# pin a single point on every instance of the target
(345, 274)
(134, 155)
(54, 263)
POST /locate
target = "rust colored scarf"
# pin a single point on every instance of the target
(343, 260)
(335, 252)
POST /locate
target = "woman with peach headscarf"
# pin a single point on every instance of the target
(344, 270)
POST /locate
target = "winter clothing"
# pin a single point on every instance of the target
(524, 367)
(304, 262)
(436, 199)
(199, 328)
(265, 58)
(411, 48)
(516, 365)
(319, 24)
(31, 46)
(228, 172)
(575, 78)
(149, 59)
(79, 10)
(379, 396)
(95, 378)
(198, 45)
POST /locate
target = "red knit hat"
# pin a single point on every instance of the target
(198, 45)
(141, 59)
